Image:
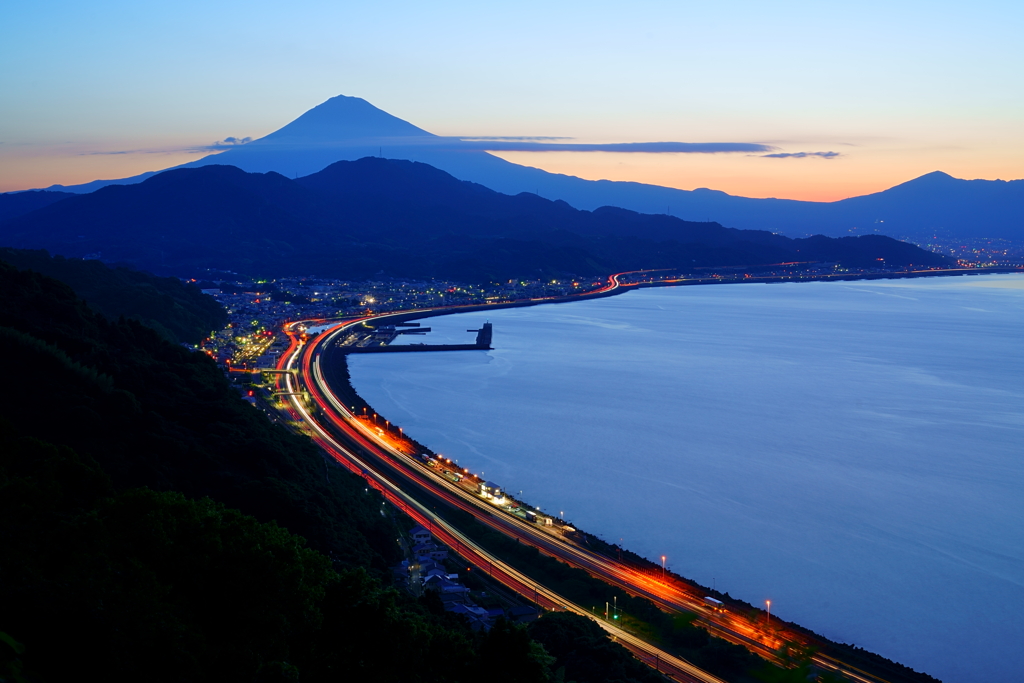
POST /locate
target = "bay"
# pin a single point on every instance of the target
(853, 451)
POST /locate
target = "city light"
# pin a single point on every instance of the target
(457, 492)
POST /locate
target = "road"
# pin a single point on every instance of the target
(387, 462)
(362, 457)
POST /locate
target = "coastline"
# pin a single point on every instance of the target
(614, 288)
(804, 639)
(619, 288)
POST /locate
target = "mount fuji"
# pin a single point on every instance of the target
(349, 128)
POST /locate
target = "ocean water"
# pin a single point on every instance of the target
(853, 452)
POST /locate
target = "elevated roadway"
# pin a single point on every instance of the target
(364, 461)
(390, 467)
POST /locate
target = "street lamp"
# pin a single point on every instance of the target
(662, 566)
(769, 617)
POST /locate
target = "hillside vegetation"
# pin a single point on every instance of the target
(178, 311)
(156, 527)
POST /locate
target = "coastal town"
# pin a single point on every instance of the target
(252, 338)
(257, 309)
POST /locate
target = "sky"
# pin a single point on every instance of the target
(892, 89)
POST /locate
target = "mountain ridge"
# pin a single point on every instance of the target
(321, 122)
(349, 128)
(355, 219)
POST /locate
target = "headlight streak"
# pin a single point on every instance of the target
(664, 593)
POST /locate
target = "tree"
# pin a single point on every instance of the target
(508, 655)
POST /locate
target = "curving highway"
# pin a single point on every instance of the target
(388, 464)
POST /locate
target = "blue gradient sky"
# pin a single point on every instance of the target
(898, 89)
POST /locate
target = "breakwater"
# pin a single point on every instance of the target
(482, 343)
(818, 436)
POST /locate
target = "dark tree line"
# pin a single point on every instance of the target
(180, 312)
(154, 526)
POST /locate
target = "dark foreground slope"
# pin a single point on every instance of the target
(179, 311)
(155, 414)
(119, 558)
(376, 216)
(147, 586)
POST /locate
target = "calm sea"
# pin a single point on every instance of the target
(853, 452)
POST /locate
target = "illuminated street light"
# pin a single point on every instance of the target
(769, 617)
(662, 566)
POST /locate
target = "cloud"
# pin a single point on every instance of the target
(526, 145)
(512, 138)
(802, 155)
(130, 151)
(551, 144)
(229, 142)
(505, 144)
(219, 146)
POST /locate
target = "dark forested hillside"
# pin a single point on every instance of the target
(154, 414)
(179, 311)
(141, 585)
(154, 526)
(357, 219)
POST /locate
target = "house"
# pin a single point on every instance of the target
(450, 591)
(431, 568)
(489, 490)
(444, 585)
(449, 599)
(420, 535)
(479, 618)
(421, 551)
(400, 573)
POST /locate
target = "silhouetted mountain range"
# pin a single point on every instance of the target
(14, 204)
(349, 128)
(400, 218)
